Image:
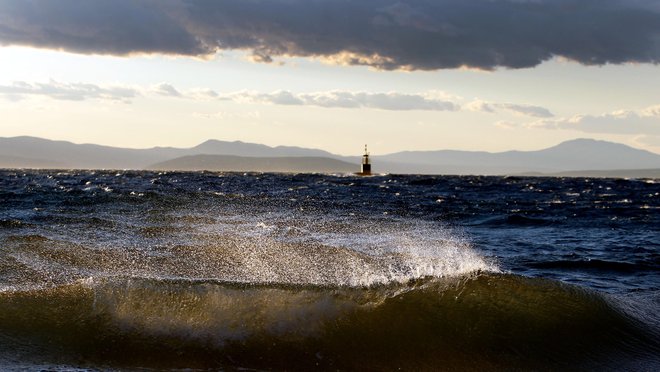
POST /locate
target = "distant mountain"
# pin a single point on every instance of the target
(64, 154)
(570, 156)
(256, 164)
(238, 148)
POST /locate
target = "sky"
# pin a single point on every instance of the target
(487, 75)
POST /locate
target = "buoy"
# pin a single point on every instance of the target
(365, 170)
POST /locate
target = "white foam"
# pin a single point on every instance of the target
(286, 248)
(349, 251)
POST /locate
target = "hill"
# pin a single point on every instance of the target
(575, 155)
(30, 152)
(256, 164)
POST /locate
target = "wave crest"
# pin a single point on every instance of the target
(479, 321)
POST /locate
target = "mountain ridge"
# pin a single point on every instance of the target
(569, 156)
(572, 155)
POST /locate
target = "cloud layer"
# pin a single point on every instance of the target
(645, 121)
(386, 34)
(67, 91)
(517, 109)
(346, 99)
(392, 101)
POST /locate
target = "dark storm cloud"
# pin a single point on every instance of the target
(386, 34)
(117, 27)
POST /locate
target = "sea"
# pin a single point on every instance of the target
(141, 270)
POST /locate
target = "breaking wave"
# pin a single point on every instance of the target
(476, 321)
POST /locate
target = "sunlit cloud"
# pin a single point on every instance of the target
(479, 106)
(651, 111)
(646, 121)
(516, 109)
(345, 99)
(202, 94)
(335, 99)
(67, 91)
(223, 115)
(502, 124)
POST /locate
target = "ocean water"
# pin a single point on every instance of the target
(116, 270)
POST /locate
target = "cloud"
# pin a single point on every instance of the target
(67, 91)
(391, 101)
(252, 115)
(202, 94)
(345, 99)
(118, 27)
(646, 122)
(280, 97)
(385, 34)
(652, 111)
(167, 90)
(430, 101)
(517, 109)
(479, 105)
(383, 101)
(528, 110)
(505, 124)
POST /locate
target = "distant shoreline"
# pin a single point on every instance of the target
(653, 174)
(615, 173)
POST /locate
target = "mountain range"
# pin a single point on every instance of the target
(573, 157)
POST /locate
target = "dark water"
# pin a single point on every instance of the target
(143, 270)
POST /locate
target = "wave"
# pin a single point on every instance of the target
(595, 265)
(516, 220)
(482, 321)
(12, 224)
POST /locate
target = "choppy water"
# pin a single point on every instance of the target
(116, 270)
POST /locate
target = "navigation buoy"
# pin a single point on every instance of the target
(365, 170)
